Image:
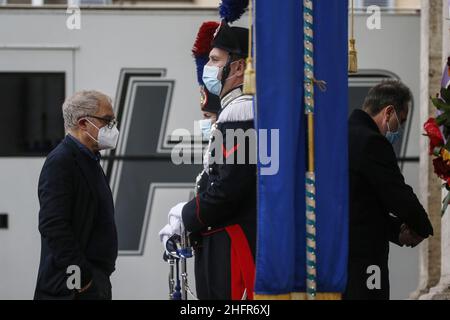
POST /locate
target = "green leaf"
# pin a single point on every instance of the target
(443, 118)
(445, 94)
(437, 151)
(440, 105)
(447, 145)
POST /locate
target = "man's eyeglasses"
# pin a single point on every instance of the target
(110, 123)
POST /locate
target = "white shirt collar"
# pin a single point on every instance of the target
(235, 93)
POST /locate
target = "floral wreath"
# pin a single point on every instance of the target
(438, 131)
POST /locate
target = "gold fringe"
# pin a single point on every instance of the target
(352, 53)
(250, 78)
(299, 296)
(352, 57)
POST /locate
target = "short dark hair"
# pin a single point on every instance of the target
(389, 92)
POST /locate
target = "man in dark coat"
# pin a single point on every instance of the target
(383, 207)
(76, 217)
(222, 216)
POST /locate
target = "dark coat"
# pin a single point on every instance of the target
(68, 205)
(380, 201)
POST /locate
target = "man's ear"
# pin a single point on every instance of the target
(237, 68)
(240, 68)
(82, 124)
(389, 112)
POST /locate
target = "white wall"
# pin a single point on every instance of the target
(207, 2)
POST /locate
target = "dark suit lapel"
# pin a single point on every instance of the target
(82, 161)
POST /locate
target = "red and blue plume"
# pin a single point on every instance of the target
(205, 36)
(202, 46)
(232, 10)
(200, 63)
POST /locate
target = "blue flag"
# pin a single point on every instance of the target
(281, 245)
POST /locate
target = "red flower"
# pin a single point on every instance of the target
(434, 133)
(441, 169)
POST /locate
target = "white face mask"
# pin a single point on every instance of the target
(211, 78)
(205, 126)
(107, 138)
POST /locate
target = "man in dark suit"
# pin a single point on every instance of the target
(76, 217)
(382, 207)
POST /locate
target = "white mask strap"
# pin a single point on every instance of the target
(89, 133)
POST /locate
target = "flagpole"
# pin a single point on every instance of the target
(311, 263)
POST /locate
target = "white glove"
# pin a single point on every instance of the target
(174, 226)
(165, 234)
(175, 218)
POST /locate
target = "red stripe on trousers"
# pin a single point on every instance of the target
(242, 264)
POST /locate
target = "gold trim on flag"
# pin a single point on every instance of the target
(298, 296)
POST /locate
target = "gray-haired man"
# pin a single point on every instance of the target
(76, 217)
